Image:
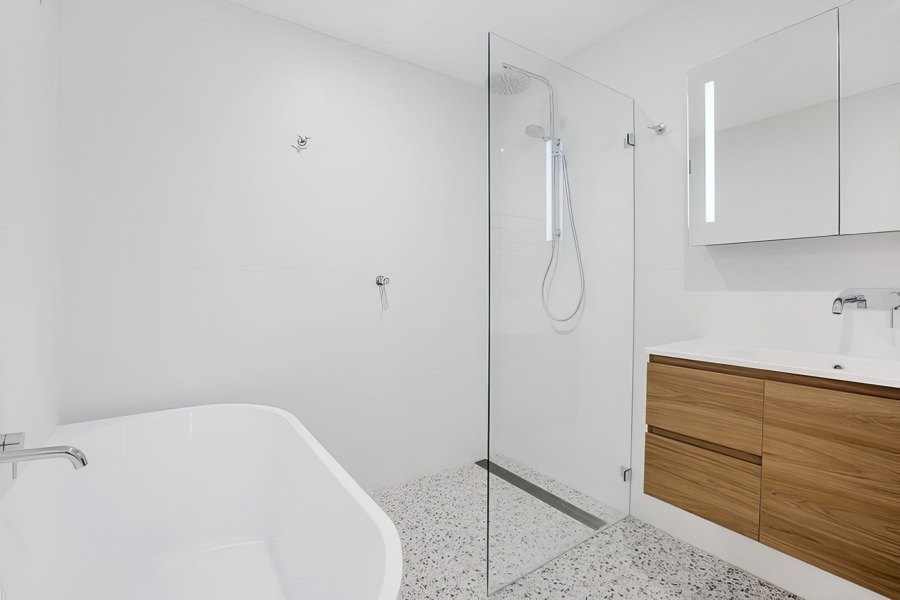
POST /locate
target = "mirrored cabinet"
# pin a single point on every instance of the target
(798, 134)
(870, 116)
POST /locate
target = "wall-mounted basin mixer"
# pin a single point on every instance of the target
(12, 450)
(870, 298)
(837, 307)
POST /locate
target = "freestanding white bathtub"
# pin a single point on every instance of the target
(224, 502)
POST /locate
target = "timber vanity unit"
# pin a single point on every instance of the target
(798, 451)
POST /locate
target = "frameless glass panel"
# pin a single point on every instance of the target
(561, 214)
(870, 116)
(764, 138)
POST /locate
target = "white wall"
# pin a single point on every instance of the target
(29, 258)
(773, 293)
(206, 261)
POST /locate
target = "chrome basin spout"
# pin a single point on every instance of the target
(870, 298)
(837, 307)
(12, 450)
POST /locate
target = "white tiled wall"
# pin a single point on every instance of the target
(28, 220)
(773, 293)
(207, 261)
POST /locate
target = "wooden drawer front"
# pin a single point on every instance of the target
(722, 489)
(714, 407)
(831, 482)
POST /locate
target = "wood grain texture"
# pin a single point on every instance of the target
(831, 482)
(752, 458)
(708, 366)
(820, 382)
(722, 489)
(715, 407)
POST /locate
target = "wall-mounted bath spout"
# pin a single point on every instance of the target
(12, 450)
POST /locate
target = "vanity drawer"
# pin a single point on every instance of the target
(722, 409)
(719, 488)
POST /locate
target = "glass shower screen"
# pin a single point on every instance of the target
(561, 308)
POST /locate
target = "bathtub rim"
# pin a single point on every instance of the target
(390, 586)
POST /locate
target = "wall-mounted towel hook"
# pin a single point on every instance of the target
(302, 142)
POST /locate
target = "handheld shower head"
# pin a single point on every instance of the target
(536, 131)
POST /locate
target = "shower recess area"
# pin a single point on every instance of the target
(557, 460)
(561, 306)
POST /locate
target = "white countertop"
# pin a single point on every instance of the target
(875, 371)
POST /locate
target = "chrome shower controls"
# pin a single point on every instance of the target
(302, 143)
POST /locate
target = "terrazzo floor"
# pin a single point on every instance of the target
(441, 521)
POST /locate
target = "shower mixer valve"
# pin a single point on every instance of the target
(302, 142)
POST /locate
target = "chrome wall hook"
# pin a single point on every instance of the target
(302, 143)
(658, 128)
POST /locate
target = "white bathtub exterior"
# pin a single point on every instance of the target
(210, 503)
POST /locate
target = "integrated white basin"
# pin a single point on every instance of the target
(875, 371)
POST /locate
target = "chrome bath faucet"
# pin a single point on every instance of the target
(12, 450)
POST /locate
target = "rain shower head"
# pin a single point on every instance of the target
(512, 80)
(509, 82)
(536, 131)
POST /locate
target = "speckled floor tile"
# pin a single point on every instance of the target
(582, 501)
(441, 520)
(526, 532)
(632, 560)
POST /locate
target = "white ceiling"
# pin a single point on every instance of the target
(450, 36)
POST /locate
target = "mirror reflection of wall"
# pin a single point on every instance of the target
(870, 116)
(764, 138)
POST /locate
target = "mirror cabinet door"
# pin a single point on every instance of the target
(763, 128)
(870, 116)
